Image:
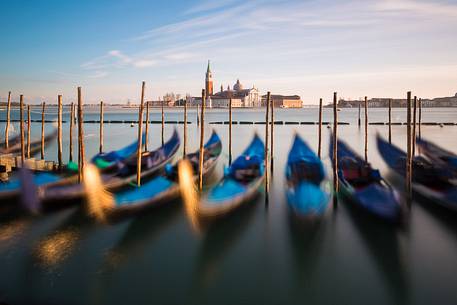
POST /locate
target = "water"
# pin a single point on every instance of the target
(254, 257)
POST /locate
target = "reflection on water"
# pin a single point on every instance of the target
(139, 235)
(219, 236)
(385, 243)
(55, 248)
(12, 229)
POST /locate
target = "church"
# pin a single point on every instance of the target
(240, 96)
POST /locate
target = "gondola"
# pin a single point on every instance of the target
(305, 176)
(55, 196)
(110, 161)
(35, 146)
(160, 190)
(438, 155)
(433, 181)
(9, 191)
(240, 184)
(364, 187)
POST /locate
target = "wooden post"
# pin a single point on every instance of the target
(413, 138)
(7, 127)
(101, 127)
(230, 129)
(21, 117)
(81, 154)
(59, 130)
(420, 118)
(202, 148)
(390, 120)
(184, 152)
(319, 132)
(146, 131)
(198, 118)
(29, 127)
(42, 129)
(335, 149)
(266, 146)
(163, 121)
(366, 129)
(140, 137)
(408, 145)
(272, 136)
(72, 114)
(359, 114)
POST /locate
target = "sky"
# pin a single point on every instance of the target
(377, 48)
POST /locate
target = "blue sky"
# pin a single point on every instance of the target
(308, 47)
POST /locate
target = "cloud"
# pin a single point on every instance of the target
(209, 5)
(98, 74)
(417, 7)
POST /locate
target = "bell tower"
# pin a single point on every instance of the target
(209, 81)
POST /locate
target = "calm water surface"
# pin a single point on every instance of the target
(256, 256)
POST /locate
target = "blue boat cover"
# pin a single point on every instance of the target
(103, 160)
(305, 173)
(148, 190)
(38, 179)
(232, 186)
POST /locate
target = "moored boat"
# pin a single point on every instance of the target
(160, 190)
(240, 185)
(431, 180)
(364, 186)
(305, 176)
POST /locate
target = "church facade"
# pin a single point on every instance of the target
(241, 97)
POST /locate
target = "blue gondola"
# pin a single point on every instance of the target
(110, 160)
(152, 163)
(438, 155)
(363, 186)
(240, 184)
(164, 188)
(432, 181)
(305, 176)
(9, 191)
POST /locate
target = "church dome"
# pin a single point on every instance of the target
(238, 86)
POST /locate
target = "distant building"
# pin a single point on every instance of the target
(397, 103)
(240, 97)
(284, 101)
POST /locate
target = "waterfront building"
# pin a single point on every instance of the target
(284, 101)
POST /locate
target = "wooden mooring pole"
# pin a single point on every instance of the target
(163, 121)
(21, 117)
(420, 118)
(230, 130)
(335, 150)
(101, 127)
(146, 131)
(359, 121)
(390, 120)
(140, 136)
(319, 131)
(29, 127)
(267, 183)
(59, 131)
(408, 146)
(72, 114)
(366, 129)
(202, 148)
(184, 151)
(43, 109)
(81, 153)
(272, 135)
(8, 114)
(413, 138)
